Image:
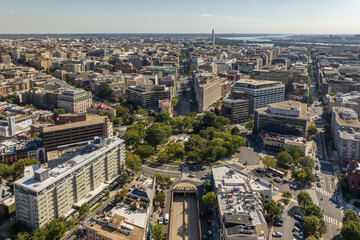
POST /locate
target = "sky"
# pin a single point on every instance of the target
(180, 16)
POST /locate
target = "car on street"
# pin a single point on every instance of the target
(316, 174)
(318, 179)
(260, 170)
(166, 219)
(268, 174)
(292, 186)
(191, 175)
(285, 180)
(277, 234)
(317, 167)
(161, 220)
(163, 205)
(277, 179)
(296, 229)
(318, 184)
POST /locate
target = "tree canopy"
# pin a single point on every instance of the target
(133, 162)
(268, 161)
(209, 199)
(304, 199)
(164, 182)
(157, 232)
(272, 209)
(312, 130)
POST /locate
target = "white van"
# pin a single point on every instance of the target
(166, 219)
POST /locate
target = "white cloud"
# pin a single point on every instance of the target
(10, 11)
(228, 17)
(206, 15)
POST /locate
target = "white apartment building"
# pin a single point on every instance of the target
(343, 119)
(348, 146)
(51, 193)
(15, 124)
(75, 101)
(260, 92)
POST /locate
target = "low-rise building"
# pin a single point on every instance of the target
(75, 101)
(85, 128)
(52, 193)
(343, 119)
(13, 124)
(102, 108)
(353, 176)
(274, 141)
(240, 202)
(128, 220)
(288, 118)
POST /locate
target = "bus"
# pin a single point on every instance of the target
(275, 172)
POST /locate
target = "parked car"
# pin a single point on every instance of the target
(318, 179)
(317, 167)
(163, 205)
(318, 184)
(260, 170)
(277, 234)
(298, 235)
(298, 224)
(161, 220)
(279, 219)
(278, 224)
(316, 174)
(298, 217)
(166, 219)
(292, 186)
(191, 175)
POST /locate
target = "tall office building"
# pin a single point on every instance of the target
(213, 38)
(260, 93)
(75, 101)
(82, 177)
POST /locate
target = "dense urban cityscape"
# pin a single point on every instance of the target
(173, 136)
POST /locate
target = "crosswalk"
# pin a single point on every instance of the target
(332, 221)
(326, 193)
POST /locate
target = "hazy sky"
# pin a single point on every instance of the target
(180, 16)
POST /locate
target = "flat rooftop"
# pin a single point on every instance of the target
(286, 105)
(92, 120)
(345, 122)
(255, 82)
(56, 174)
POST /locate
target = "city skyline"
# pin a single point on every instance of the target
(260, 16)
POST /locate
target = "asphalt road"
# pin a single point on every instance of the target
(289, 222)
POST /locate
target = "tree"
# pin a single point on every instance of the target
(23, 236)
(175, 150)
(350, 215)
(174, 101)
(145, 151)
(35, 135)
(250, 124)
(160, 198)
(157, 232)
(132, 138)
(118, 121)
(235, 131)
(164, 182)
(286, 195)
(59, 111)
(209, 199)
(84, 209)
(312, 130)
(283, 148)
(310, 99)
(306, 162)
(133, 163)
(314, 226)
(57, 228)
(49, 120)
(350, 230)
(142, 111)
(207, 185)
(269, 161)
(17, 168)
(163, 117)
(314, 210)
(107, 194)
(124, 178)
(121, 195)
(284, 159)
(272, 209)
(39, 234)
(304, 199)
(157, 134)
